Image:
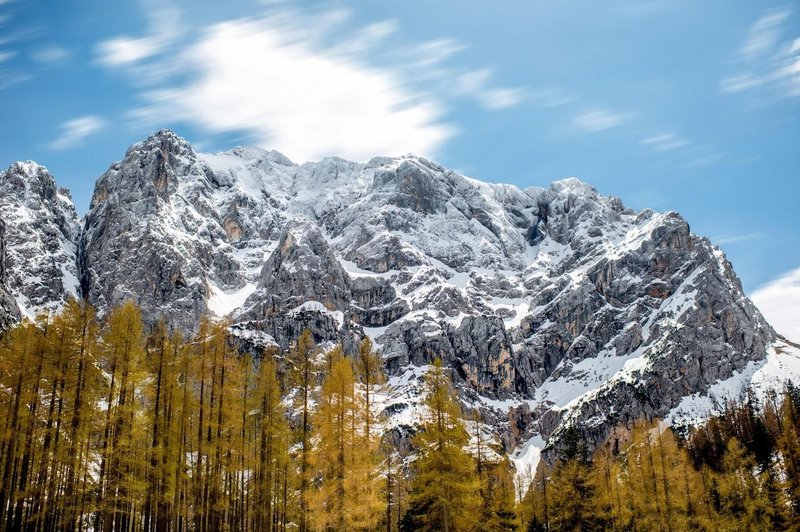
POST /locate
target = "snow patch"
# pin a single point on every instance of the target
(222, 303)
(526, 459)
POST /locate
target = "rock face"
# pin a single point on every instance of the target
(41, 233)
(559, 304)
(9, 313)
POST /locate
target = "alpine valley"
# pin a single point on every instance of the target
(552, 307)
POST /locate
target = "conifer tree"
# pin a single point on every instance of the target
(444, 492)
(304, 372)
(369, 369)
(272, 437)
(346, 497)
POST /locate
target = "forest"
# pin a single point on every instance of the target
(112, 425)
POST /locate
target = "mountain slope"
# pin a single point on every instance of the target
(41, 238)
(9, 312)
(551, 306)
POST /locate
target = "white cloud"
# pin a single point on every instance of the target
(779, 301)
(599, 120)
(473, 81)
(739, 83)
(764, 34)
(369, 37)
(477, 84)
(308, 82)
(767, 61)
(268, 78)
(74, 132)
(51, 55)
(550, 97)
(164, 27)
(664, 142)
(502, 98)
(436, 51)
(734, 239)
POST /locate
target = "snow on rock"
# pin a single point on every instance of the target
(316, 306)
(761, 377)
(526, 459)
(41, 237)
(222, 303)
(560, 300)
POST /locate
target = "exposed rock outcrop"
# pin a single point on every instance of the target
(550, 307)
(9, 313)
(41, 234)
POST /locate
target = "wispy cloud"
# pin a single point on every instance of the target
(778, 301)
(599, 120)
(51, 55)
(477, 84)
(767, 60)
(74, 132)
(704, 160)
(664, 142)
(306, 82)
(164, 27)
(764, 34)
(550, 97)
(734, 239)
(739, 83)
(698, 155)
(269, 78)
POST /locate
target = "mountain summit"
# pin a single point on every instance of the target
(552, 307)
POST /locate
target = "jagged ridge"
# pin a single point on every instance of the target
(558, 303)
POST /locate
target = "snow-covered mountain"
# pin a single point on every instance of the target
(552, 306)
(41, 234)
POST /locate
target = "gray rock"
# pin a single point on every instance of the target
(9, 312)
(41, 233)
(559, 301)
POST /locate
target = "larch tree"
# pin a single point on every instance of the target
(445, 489)
(302, 363)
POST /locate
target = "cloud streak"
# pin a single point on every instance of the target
(306, 84)
(164, 27)
(51, 56)
(767, 60)
(734, 239)
(74, 132)
(267, 79)
(477, 84)
(764, 33)
(599, 120)
(664, 142)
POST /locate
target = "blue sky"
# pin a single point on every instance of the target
(674, 105)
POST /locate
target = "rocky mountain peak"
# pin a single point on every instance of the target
(302, 268)
(41, 236)
(27, 177)
(165, 141)
(151, 170)
(559, 302)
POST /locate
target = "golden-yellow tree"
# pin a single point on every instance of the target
(445, 489)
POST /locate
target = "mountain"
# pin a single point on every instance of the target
(41, 234)
(552, 306)
(9, 311)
